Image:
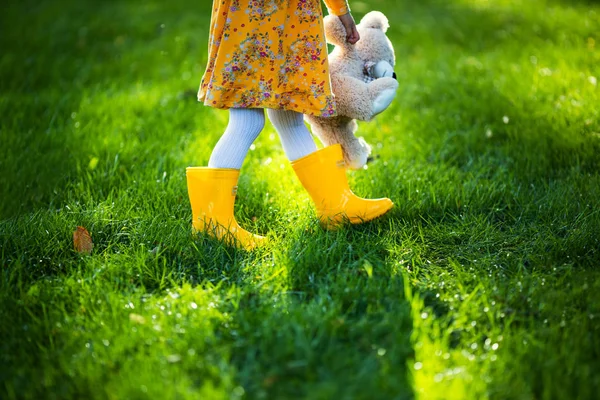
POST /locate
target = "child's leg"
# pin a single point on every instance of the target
(243, 128)
(296, 139)
(323, 174)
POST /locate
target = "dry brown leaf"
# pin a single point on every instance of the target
(82, 240)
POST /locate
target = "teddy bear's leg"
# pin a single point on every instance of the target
(361, 154)
(356, 150)
(341, 130)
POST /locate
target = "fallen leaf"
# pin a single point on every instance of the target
(82, 240)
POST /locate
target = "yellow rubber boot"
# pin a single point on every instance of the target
(212, 194)
(323, 174)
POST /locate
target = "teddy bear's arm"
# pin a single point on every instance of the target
(356, 99)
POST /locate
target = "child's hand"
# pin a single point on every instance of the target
(352, 35)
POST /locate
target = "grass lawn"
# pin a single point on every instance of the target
(482, 282)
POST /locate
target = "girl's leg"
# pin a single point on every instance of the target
(212, 189)
(323, 174)
(296, 139)
(243, 128)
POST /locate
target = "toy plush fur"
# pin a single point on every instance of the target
(363, 83)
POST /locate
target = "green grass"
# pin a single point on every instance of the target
(483, 282)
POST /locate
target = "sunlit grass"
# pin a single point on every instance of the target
(482, 282)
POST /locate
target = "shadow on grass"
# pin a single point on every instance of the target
(82, 95)
(343, 323)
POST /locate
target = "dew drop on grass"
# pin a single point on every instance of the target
(173, 358)
(381, 352)
(193, 305)
(424, 315)
(505, 119)
(418, 366)
(105, 342)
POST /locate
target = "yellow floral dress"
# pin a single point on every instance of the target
(269, 54)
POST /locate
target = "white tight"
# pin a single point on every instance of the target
(243, 128)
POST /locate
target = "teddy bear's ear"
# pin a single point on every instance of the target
(334, 30)
(375, 20)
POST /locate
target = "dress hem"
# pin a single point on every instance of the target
(275, 105)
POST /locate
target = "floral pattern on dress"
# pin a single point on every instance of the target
(268, 54)
(261, 9)
(308, 11)
(252, 51)
(304, 55)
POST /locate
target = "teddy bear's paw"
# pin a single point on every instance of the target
(383, 100)
(358, 161)
(358, 156)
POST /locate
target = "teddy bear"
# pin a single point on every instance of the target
(363, 83)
